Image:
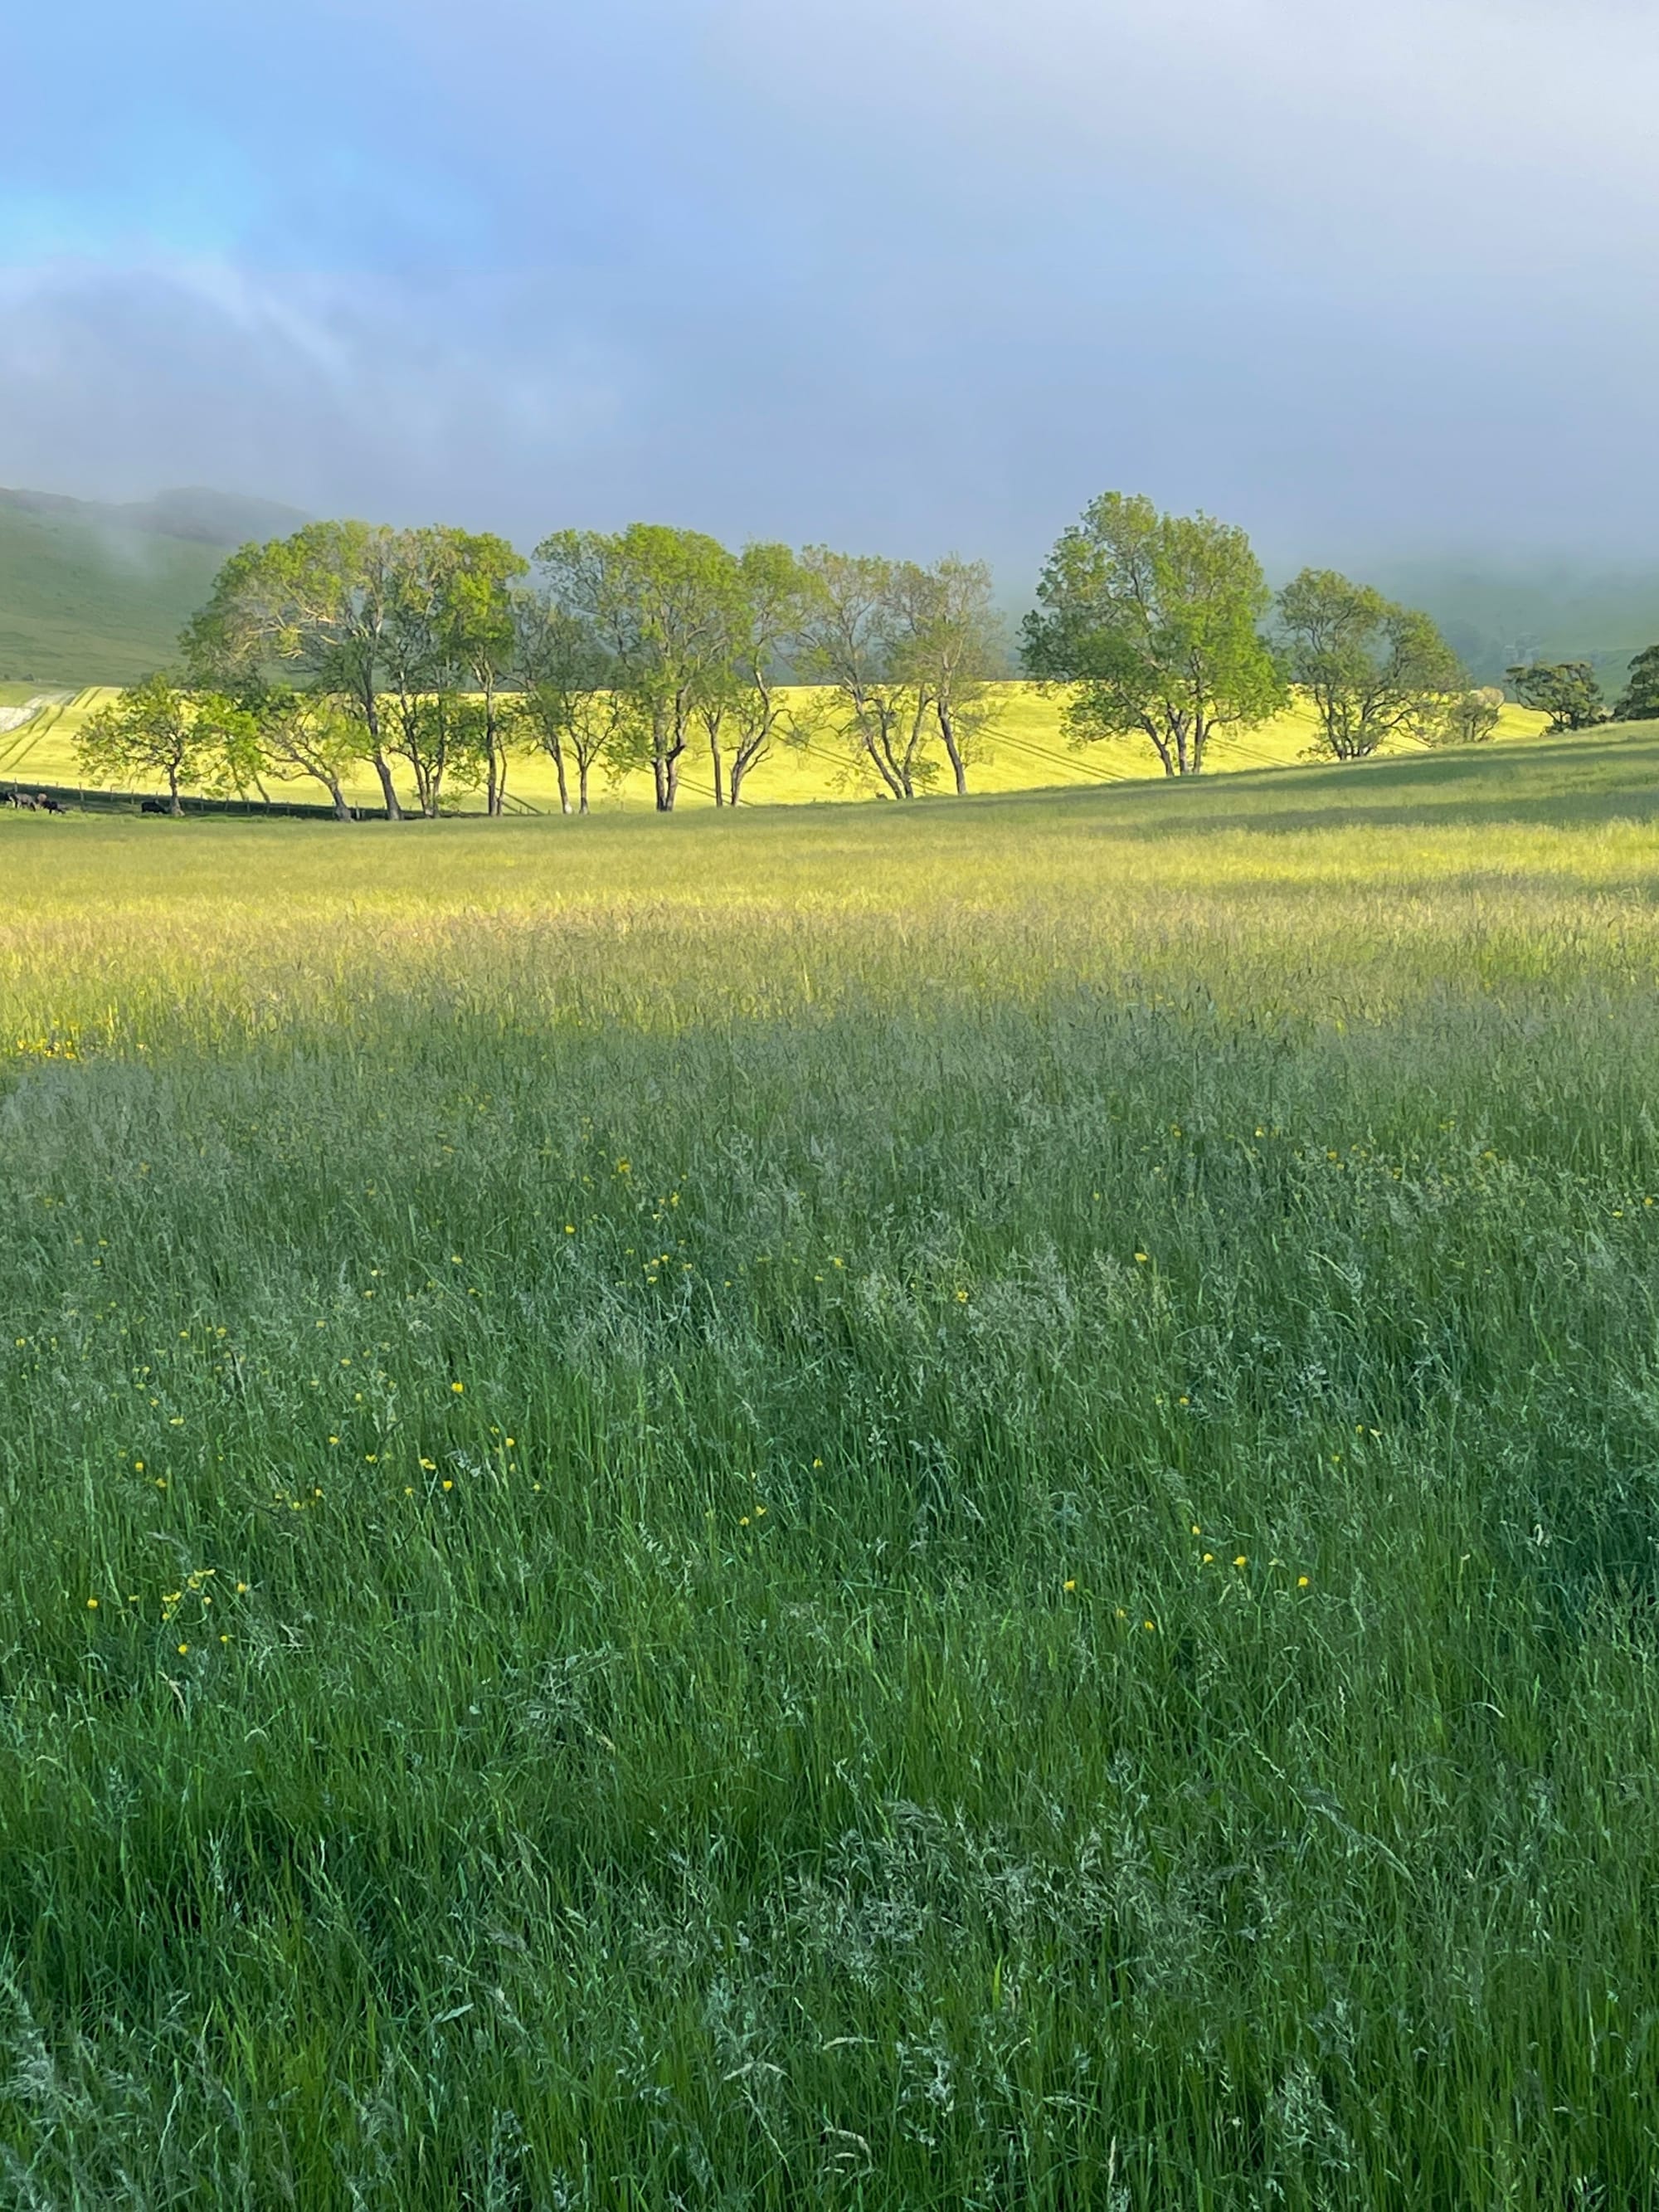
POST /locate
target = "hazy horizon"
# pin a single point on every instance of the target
(917, 276)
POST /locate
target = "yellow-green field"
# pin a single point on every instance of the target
(1027, 750)
(870, 1509)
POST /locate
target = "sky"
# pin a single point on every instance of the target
(1372, 277)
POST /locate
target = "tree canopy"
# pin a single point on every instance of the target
(1154, 621)
(1639, 700)
(1568, 691)
(1370, 668)
(162, 727)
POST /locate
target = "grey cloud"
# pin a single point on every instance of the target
(359, 397)
(918, 273)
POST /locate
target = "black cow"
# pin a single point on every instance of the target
(152, 807)
(48, 805)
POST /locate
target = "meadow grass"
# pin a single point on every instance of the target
(849, 1508)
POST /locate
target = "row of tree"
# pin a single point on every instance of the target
(1159, 624)
(431, 656)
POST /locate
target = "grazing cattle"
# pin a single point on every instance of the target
(21, 800)
(152, 807)
(48, 805)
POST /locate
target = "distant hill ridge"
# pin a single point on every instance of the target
(96, 592)
(193, 513)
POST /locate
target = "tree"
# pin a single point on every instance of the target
(159, 727)
(1566, 691)
(1371, 668)
(1466, 718)
(956, 644)
(568, 702)
(421, 693)
(661, 601)
(1639, 700)
(1151, 619)
(744, 708)
(858, 640)
(471, 574)
(315, 604)
(296, 734)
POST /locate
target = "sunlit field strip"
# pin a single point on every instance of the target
(1027, 750)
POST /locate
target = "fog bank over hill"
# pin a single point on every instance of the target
(1497, 609)
(96, 592)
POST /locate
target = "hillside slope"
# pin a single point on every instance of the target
(96, 593)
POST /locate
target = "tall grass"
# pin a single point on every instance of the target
(824, 1511)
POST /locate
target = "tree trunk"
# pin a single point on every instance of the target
(716, 756)
(947, 729)
(175, 805)
(394, 811)
(371, 708)
(496, 764)
(342, 811)
(557, 751)
(667, 767)
(875, 745)
(581, 785)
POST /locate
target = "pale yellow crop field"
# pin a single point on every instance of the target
(1027, 750)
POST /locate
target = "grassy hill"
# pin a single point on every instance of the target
(842, 1509)
(98, 593)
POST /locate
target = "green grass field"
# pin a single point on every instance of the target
(856, 1508)
(1026, 750)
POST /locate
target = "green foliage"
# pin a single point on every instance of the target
(661, 604)
(1568, 691)
(469, 576)
(294, 736)
(319, 606)
(1371, 669)
(568, 702)
(1467, 718)
(1152, 619)
(860, 640)
(1639, 701)
(743, 710)
(158, 728)
(956, 647)
(714, 1755)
